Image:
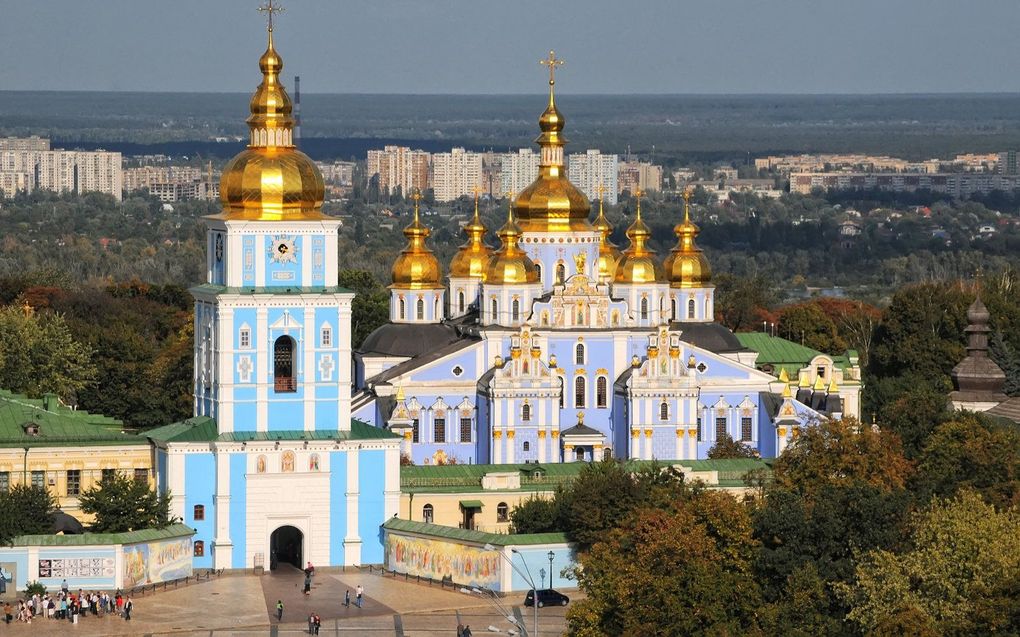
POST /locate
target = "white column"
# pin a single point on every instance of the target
(344, 358)
(260, 260)
(352, 540)
(391, 489)
(540, 441)
(263, 353)
(175, 483)
(497, 431)
(224, 369)
(680, 442)
(310, 372)
(223, 548)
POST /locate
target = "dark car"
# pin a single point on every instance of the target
(546, 597)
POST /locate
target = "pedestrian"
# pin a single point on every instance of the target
(309, 570)
(467, 631)
(8, 613)
(460, 630)
(311, 624)
(308, 584)
(128, 606)
(361, 592)
(120, 603)
(279, 610)
(347, 599)
(63, 587)
(317, 623)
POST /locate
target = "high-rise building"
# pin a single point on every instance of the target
(28, 163)
(592, 169)
(399, 167)
(518, 170)
(638, 174)
(1008, 163)
(24, 143)
(456, 174)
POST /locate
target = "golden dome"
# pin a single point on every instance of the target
(473, 257)
(417, 268)
(551, 203)
(609, 254)
(686, 265)
(638, 264)
(271, 180)
(510, 264)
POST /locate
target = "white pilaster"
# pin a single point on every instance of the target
(175, 483)
(352, 540)
(311, 369)
(392, 485)
(223, 547)
(262, 381)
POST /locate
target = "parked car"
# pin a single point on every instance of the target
(546, 597)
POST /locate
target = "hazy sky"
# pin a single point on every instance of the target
(486, 46)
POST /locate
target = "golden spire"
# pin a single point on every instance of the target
(417, 267)
(271, 180)
(473, 257)
(783, 376)
(686, 265)
(510, 264)
(804, 382)
(833, 388)
(819, 384)
(551, 202)
(786, 392)
(638, 264)
(609, 254)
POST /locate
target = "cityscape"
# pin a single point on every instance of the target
(374, 364)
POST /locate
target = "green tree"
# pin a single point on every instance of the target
(25, 511)
(599, 499)
(39, 355)
(534, 515)
(741, 301)
(120, 503)
(371, 306)
(959, 575)
(730, 448)
(808, 324)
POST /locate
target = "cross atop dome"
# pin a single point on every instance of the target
(270, 8)
(552, 62)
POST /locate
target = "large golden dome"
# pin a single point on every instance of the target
(609, 254)
(510, 264)
(271, 180)
(686, 265)
(473, 257)
(551, 203)
(638, 264)
(417, 268)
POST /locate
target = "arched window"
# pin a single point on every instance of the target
(561, 273)
(515, 310)
(708, 309)
(601, 392)
(526, 413)
(495, 310)
(644, 308)
(402, 310)
(199, 548)
(579, 354)
(527, 446)
(561, 392)
(538, 270)
(607, 454)
(460, 301)
(199, 512)
(579, 392)
(284, 353)
(502, 512)
(420, 310)
(664, 410)
(427, 513)
(579, 454)
(672, 309)
(690, 309)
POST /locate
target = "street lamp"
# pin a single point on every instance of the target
(526, 574)
(493, 600)
(552, 556)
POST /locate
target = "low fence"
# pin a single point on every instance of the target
(141, 591)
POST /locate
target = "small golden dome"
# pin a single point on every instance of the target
(638, 264)
(417, 268)
(473, 257)
(271, 180)
(609, 254)
(510, 264)
(686, 265)
(551, 203)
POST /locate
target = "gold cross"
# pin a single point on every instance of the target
(552, 62)
(601, 190)
(687, 194)
(271, 8)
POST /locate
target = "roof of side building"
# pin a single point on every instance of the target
(45, 422)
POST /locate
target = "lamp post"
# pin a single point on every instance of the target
(552, 556)
(526, 574)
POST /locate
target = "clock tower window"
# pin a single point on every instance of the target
(284, 352)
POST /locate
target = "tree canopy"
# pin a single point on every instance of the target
(25, 510)
(121, 503)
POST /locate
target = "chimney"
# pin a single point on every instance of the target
(297, 109)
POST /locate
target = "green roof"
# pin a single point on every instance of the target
(471, 504)
(58, 425)
(783, 354)
(209, 288)
(87, 539)
(203, 429)
(478, 537)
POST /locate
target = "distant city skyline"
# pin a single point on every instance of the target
(461, 47)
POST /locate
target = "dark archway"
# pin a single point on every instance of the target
(285, 547)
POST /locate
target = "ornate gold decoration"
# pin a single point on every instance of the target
(686, 265)
(551, 203)
(271, 180)
(497, 434)
(634, 433)
(510, 434)
(555, 433)
(473, 257)
(782, 432)
(579, 260)
(648, 433)
(417, 268)
(609, 254)
(783, 376)
(638, 263)
(510, 264)
(541, 433)
(679, 433)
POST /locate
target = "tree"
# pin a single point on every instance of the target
(680, 570)
(534, 515)
(600, 498)
(730, 448)
(807, 324)
(120, 504)
(958, 576)
(39, 355)
(913, 415)
(25, 511)
(740, 301)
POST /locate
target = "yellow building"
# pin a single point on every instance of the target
(45, 443)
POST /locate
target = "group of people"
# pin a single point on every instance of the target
(463, 631)
(69, 606)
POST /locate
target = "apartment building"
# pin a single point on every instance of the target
(638, 174)
(592, 169)
(456, 174)
(518, 170)
(958, 185)
(24, 143)
(24, 167)
(399, 167)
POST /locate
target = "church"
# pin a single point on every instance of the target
(555, 347)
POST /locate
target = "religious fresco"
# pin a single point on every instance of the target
(438, 559)
(157, 562)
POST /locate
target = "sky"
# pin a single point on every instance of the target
(493, 47)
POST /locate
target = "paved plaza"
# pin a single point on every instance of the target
(236, 605)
